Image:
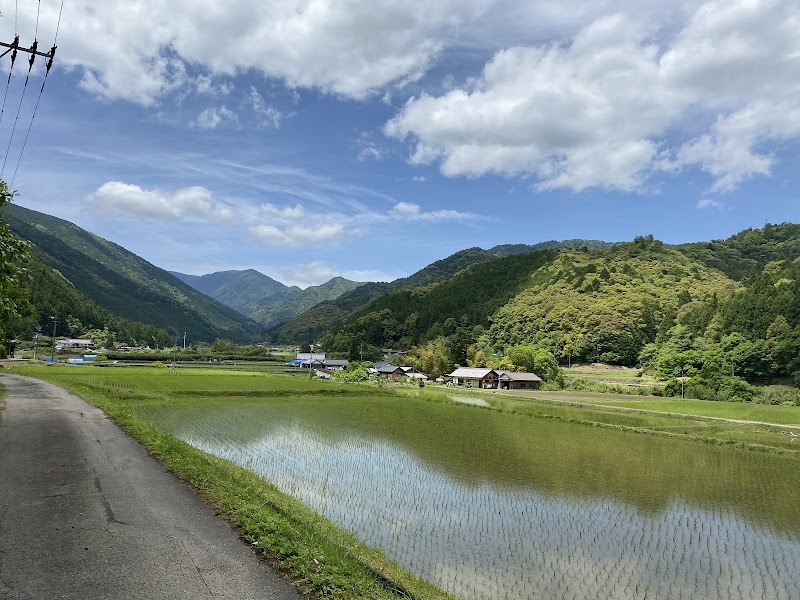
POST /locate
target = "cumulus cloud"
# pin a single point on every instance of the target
(211, 118)
(406, 208)
(125, 199)
(604, 109)
(297, 235)
(139, 50)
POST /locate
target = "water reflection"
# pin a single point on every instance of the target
(490, 505)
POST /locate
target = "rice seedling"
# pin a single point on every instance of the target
(491, 504)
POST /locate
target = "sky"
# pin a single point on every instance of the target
(368, 138)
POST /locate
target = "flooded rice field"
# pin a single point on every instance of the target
(491, 505)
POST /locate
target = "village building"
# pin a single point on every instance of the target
(475, 377)
(389, 371)
(83, 344)
(512, 380)
(492, 379)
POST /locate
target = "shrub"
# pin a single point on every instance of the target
(779, 394)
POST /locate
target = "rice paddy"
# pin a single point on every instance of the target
(495, 504)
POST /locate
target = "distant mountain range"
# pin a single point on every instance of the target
(263, 299)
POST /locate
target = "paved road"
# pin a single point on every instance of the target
(86, 513)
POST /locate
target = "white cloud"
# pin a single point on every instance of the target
(286, 212)
(406, 208)
(125, 199)
(603, 110)
(266, 115)
(313, 273)
(205, 85)
(297, 235)
(413, 212)
(708, 203)
(138, 50)
(211, 118)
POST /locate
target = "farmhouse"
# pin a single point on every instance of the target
(389, 371)
(475, 377)
(60, 344)
(495, 379)
(511, 380)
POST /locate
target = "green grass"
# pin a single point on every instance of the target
(783, 415)
(321, 559)
(641, 414)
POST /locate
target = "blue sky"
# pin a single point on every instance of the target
(367, 139)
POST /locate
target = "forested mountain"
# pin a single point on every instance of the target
(597, 302)
(748, 251)
(309, 325)
(125, 284)
(244, 291)
(314, 322)
(637, 303)
(76, 315)
(299, 301)
(263, 299)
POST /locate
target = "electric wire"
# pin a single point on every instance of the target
(38, 100)
(8, 81)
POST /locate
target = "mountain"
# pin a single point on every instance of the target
(608, 302)
(244, 291)
(748, 251)
(263, 299)
(299, 301)
(125, 284)
(52, 294)
(308, 326)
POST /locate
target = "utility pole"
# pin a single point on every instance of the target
(36, 340)
(53, 356)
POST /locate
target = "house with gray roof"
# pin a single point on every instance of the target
(475, 377)
(495, 379)
(512, 380)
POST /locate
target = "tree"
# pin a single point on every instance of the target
(14, 254)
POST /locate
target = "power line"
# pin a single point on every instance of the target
(33, 51)
(30, 125)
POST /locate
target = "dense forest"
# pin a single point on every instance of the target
(125, 284)
(52, 295)
(721, 313)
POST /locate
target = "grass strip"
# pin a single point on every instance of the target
(322, 560)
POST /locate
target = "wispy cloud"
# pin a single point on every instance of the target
(211, 118)
(709, 204)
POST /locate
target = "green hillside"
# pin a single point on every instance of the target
(298, 301)
(77, 316)
(308, 326)
(406, 317)
(748, 251)
(244, 291)
(125, 284)
(605, 305)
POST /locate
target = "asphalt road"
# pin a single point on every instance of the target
(86, 513)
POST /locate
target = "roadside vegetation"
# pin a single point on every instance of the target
(423, 473)
(321, 559)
